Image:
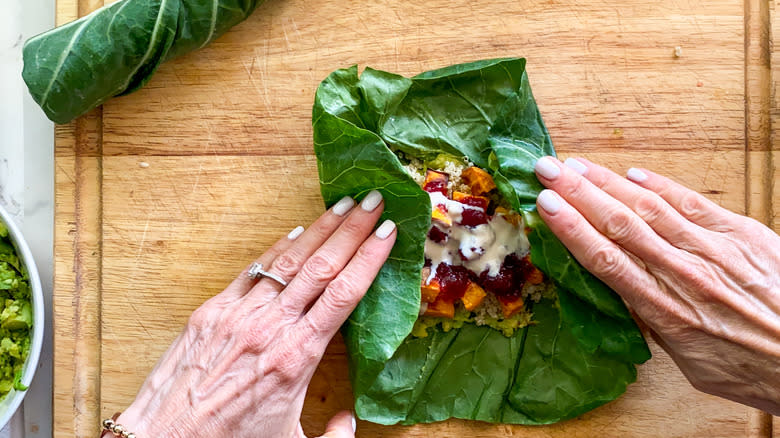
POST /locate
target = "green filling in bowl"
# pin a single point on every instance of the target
(16, 316)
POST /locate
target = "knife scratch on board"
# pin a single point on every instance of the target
(143, 241)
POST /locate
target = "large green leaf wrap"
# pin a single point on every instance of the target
(582, 349)
(116, 49)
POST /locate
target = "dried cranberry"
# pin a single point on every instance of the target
(472, 217)
(437, 185)
(437, 235)
(453, 281)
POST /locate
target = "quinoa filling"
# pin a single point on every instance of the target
(477, 263)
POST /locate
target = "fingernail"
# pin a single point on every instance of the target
(547, 168)
(371, 201)
(576, 165)
(549, 201)
(343, 206)
(297, 231)
(354, 423)
(636, 175)
(385, 229)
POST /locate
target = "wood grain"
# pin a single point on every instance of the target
(77, 282)
(225, 136)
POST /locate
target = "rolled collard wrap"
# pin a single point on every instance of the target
(582, 348)
(116, 49)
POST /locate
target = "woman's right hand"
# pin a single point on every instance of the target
(705, 280)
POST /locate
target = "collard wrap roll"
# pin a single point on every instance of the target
(582, 348)
(116, 49)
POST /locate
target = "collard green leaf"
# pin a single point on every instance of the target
(552, 258)
(116, 49)
(599, 333)
(451, 110)
(581, 350)
(462, 373)
(355, 161)
(557, 378)
(517, 140)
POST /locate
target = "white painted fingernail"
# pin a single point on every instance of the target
(576, 165)
(547, 168)
(343, 206)
(385, 229)
(636, 175)
(354, 423)
(297, 231)
(371, 201)
(549, 201)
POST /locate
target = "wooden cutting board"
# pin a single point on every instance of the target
(164, 195)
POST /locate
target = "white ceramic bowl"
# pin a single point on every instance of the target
(14, 398)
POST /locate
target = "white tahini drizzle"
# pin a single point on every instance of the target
(484, 246)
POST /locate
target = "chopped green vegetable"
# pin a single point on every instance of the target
(16, 318)
(581, 348)
(116, 49)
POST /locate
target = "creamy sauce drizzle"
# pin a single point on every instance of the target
(484, 247)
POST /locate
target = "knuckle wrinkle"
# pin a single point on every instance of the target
(340, 294)
(649, 208)
(607, 262)
(692, 205)
(286, 265)
(321, 267)
(619, 225)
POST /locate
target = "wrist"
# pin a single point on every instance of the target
(133, 421)
(147, 419)
(110, 427)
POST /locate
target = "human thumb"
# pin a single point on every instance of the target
(342, 425)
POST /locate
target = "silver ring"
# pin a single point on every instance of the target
(256, 271)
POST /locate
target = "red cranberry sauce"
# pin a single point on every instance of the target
(472, 217)
(475, 202)
(437, 235)
(436, 185)
(511, 277)
(453, 281)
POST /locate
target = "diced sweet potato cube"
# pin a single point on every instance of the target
(430, 291)
(511, 307)
(535, 276)
(436, 182)
(441, 308)
(480, 181)
(439, 214)
(511, 217)
(473, 296)
(435, 175)
(459, 196)
(473, 200)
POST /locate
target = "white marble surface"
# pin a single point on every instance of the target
(27, 186)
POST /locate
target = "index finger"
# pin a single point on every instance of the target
(604, 259)
(329, 260)
(609, 216)
(662, 217)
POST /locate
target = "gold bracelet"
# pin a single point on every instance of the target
(117, 429)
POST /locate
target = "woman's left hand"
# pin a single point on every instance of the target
(243, 363)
